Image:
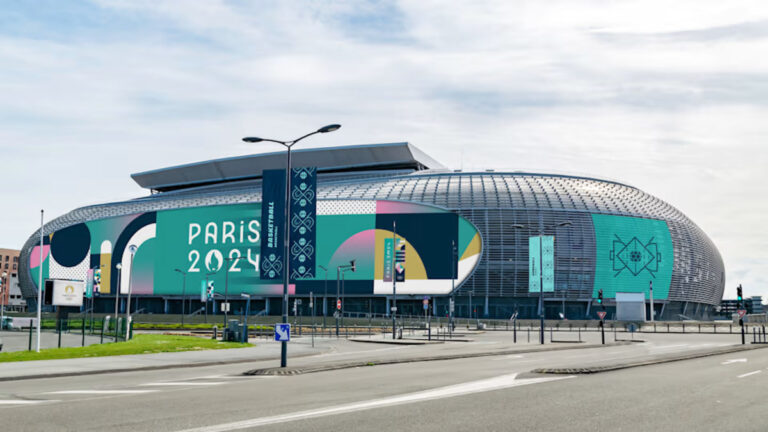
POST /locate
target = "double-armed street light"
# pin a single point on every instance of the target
(541, 230)
(286, 275)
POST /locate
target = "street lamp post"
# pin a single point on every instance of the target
(541, 230)
(183, 293)
(119, 267)
(394, 279)
(132, 249)
(325, 298)
(3, 290)
(453, 287)
(286, 274)
(226, 287)
(339, 272)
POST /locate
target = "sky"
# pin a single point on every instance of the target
(670, 97)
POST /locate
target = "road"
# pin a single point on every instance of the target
(484, 393)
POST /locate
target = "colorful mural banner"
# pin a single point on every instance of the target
(273, 218)
(224, 243)
(303, 223)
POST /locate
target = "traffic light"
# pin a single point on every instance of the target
(739, 295)
(209, 290)
(352, 265)
(600, 297)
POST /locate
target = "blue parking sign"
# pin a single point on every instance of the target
(282, 332)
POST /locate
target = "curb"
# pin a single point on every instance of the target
(138, 369)
(289, 371)
(620, 366)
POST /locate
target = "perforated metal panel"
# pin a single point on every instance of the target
(493, 201)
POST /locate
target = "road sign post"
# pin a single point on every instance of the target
(741, 313)
(602, 314)
(283, 332)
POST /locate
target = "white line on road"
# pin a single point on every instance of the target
(101, 392)
(739, 360)
(23, 402)
(485, 385)
(748, 374)
(181, 383)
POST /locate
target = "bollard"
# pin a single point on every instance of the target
(550, 334)
(215, 332)
(30, 334)
(683, 328)
(101, 341)
(529, 334)
(579, 334)
(754, 335)
(82, 328)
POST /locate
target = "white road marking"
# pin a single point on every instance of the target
(485, 385)
(748, 374)
(509, 357)
(236, 377)
(23, 402)
(101, 392)
(739, 360)
(181, 383)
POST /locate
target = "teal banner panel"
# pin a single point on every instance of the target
(548, 263)
(534, 264)
(273, 219)
(631, 252)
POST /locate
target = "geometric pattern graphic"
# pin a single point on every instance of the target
(303, 222)
(635, 256)
(631, 252)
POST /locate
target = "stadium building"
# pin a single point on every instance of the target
(461, 234)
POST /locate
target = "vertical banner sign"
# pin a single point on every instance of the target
(388, 257)
(548, 263)
(534, 264)
(203, 293)
(400, 260)
(303, 222)
(272, 224)
(89, 284)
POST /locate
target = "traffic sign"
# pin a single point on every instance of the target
(338, 304)
(425, 302)
(601, 314)
(741, 312)
(282, 332)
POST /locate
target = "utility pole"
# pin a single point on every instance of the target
(394, 279)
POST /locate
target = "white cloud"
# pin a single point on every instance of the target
(667, 96)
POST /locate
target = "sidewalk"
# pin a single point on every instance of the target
(112, 364)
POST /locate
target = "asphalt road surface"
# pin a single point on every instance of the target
(721, 392)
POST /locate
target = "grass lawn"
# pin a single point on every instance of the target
(140, 344)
